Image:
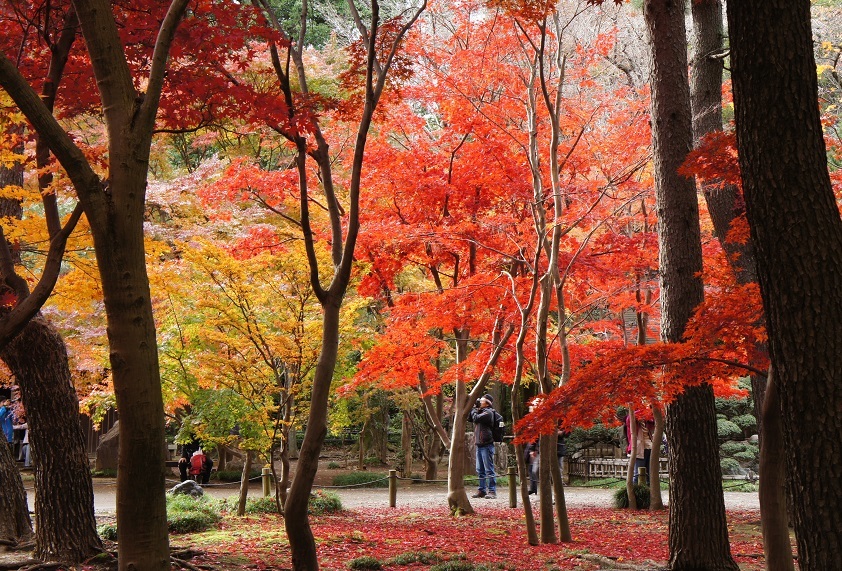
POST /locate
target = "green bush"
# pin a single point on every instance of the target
(730, 466)
(322, 502)
(726, 430)
(746, 422)
(186, 514)
(333, 465)
(105, 473)
(108, 531)
(641, 494)
(746, 456)
(369, 479)
(729, 448)
(410, 557)
(365, 563)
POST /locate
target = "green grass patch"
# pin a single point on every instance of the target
(107, 473)
(362, 479)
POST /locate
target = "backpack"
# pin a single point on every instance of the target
(197, 464)
(498, 428)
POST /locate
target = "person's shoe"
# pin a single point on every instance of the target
(479, 494)
(491, 496)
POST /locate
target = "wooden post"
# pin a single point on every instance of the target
(393, 488)
(264, 476)
(642, 477)
(512, 487)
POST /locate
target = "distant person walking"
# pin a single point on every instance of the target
(6, 422)
(484, 416)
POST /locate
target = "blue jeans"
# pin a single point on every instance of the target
(485, 468)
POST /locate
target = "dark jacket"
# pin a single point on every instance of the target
(484, 419)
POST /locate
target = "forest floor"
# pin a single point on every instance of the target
(420, 533)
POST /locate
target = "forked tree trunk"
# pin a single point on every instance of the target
(65, 527)
(457, 497)
(15, 525)
(788, 192)
(696, 502)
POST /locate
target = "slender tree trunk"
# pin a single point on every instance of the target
(302, 543)
(546, 455)
(406, 444)
(244, 484)
(656, 500)
(696, 501)
(15, 525)
(632, 466)
(562, 519)
(788, 194)
(773, 515)
(457, 497)
(65, 527)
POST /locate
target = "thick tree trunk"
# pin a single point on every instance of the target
(696, 501)
(698, 536)
(302, 543)
(797, 235)
(141, 506)
(15, 525)
(65, 527)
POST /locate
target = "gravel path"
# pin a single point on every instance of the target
(413, 496)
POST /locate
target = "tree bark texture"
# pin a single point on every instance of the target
(696, 501)
(797, 235)
(15, 524)
(302, 543)
(65, 529)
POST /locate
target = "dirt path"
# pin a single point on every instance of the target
(411, 496)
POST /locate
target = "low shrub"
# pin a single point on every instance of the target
(362, 479)
(458, 565)
(365, 563)
(323, 502)
(333, 465)
(104, 473)
(410, 557)
(186, 514)
(262, 505)
(641, 494)
(108, 531)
